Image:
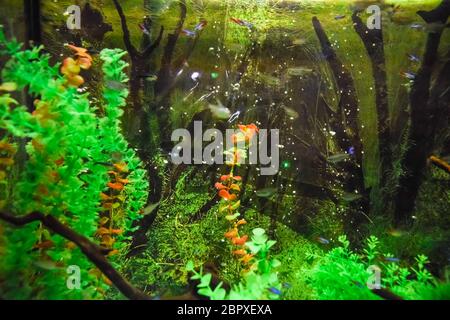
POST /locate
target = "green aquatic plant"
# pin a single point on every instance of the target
(259, 283)
(344, 274)
(72, 149)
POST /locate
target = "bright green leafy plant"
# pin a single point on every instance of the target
(344, 274)
(72, 152)
(260, 282)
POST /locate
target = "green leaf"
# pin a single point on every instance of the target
(258, 231)
(254, 248)
(205, 292)
(206, 280)
(276, 263)
(219, 293)
(190, 266)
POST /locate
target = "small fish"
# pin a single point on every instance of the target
(391, 259)
(201, 25)
(46, 264)
(396, 233)
(339, 17)
(358, 284)
(287, 285)
(116, 85)
(242, 23)
(269, 80)
(219, 111)
(144, 29)
(350, 197)
(106, 164)
(416, 26)
(323, 240)
(351, 151)
(266, 192)
(188, 33)
(413, 58)
(409, 75)
(274, 291)
(151, 78)
(299, 71)
(299, 42)
(92, 51)
(234, 116)
(338, 157)
(195, 76)
(291, 113)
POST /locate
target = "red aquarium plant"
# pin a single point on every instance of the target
(71, 67)
(229, 191)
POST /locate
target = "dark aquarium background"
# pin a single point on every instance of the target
(93, 205)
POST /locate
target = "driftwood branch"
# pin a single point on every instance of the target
(126, 32)
(441, 164)
(149, 50)
(423, 113)
(91, 250)
(165, 76)
(373, 42)
(345, 119)
(347, 112)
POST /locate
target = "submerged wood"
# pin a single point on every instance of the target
(424, 110)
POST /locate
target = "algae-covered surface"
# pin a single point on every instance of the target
(362, 173)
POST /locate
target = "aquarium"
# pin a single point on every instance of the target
(224, 150)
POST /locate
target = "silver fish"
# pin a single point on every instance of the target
(266, 192)
(234, 116)
(338, 157)
(299, 71)
(219, 111)
(291, 113)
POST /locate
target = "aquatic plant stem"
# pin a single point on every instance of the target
(92, 251)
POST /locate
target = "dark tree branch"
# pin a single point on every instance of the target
(139, 237)
(91, 250)
(149, 50)
(348, 106)
(126, 32)
(441, 164)
(423, 113)
(439, 14)
(165, 76)
(205, 208)
(386, 294)
(373, 42)
(345, 120)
